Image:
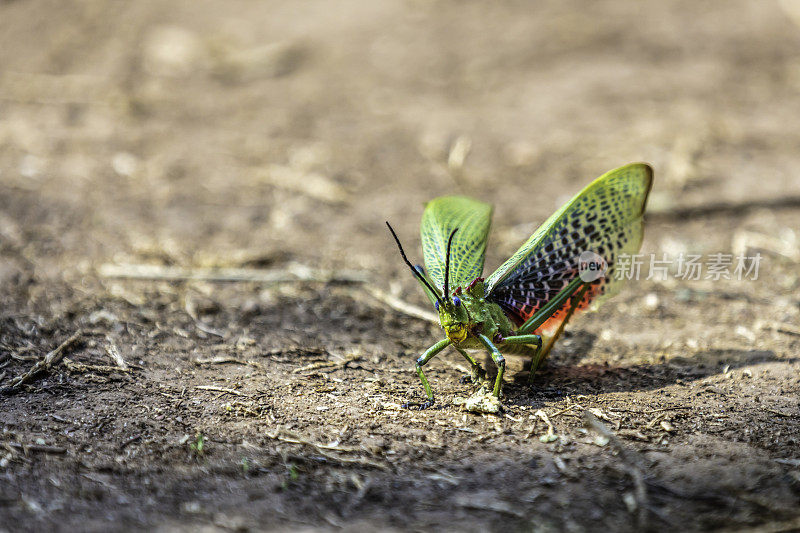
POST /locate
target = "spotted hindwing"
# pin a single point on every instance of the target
(604, 218)
(472, 218)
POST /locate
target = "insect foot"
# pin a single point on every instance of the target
(414, 406)
(477, 375)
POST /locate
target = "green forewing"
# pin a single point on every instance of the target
(441, 217)
(605, 218)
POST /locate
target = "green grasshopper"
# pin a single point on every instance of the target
(523, 307)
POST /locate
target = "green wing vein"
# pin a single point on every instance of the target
(441, 217)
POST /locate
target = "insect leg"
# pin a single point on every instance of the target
(576, 300)
(429, 354)
(524, 339)
(529, 339)
(541, 316)
(477, 373)
(543, 351)
(498, 359)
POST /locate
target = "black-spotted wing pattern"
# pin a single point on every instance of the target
(604, 218)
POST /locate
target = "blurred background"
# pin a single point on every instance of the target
(213, 132)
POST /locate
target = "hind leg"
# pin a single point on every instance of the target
(535, 340)
(544, 350)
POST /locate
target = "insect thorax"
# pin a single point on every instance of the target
(472, 315)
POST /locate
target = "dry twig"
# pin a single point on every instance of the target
(113, 352)
(42, 448)
(322, 449)
(130, 440)
(631, 461)
(51, 359)
(788, 329)
(74, 366)
(401, 306)
(291, 273)
(214, 388)
(293, 438)
(493, 504)
(221, 360)
(328, 364)
(550, 436)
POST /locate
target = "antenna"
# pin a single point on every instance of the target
(447, 265)
(414, 270)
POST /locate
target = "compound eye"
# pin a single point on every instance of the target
(456, 301)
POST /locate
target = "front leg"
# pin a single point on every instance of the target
(498, 359)
(543, 350)
(422, 361)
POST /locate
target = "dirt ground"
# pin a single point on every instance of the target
(274, 138)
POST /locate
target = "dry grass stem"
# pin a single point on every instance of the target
(328, 364)
(632, 462)
(292, 273)
(323, 449)
(224, 390)
(49, 360)
(113, 351)
(401, 306)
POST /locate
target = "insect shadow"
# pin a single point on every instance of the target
(560, 378)
(576, 344)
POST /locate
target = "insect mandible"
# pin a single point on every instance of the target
(567, 264)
